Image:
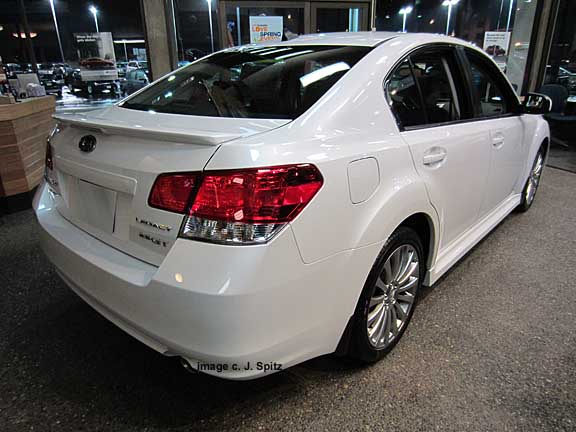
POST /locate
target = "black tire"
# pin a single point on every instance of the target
(360, 347)
(526, 202)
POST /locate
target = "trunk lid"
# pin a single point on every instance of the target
(105, 191)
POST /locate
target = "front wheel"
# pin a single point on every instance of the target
(531, 186)
(389, 296)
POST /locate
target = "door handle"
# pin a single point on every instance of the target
(497, 139)
(434, 156)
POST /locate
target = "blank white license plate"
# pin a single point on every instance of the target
(96, 206)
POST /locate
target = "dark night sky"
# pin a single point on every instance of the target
(121, 17)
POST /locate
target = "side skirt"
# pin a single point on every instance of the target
(460, 246)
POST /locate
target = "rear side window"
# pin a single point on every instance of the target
(490, 98)
(278, 82)
(403, 96)
(422, 90)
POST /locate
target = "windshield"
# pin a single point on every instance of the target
(278, 82)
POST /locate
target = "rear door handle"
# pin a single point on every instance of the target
(434, 156)
(497, 139)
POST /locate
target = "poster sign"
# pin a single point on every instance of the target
(496, 44)
(90, 45)
(266, 29)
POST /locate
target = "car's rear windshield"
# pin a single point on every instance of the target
(274, 82)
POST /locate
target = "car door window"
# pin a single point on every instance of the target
(403, 96)
(490, 97)
(433, 72)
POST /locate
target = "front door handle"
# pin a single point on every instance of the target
(434, 156)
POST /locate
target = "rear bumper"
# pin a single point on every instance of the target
(238, 307)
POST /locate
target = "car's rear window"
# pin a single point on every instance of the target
(278, 82)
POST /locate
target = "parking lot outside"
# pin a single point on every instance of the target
(491, 347)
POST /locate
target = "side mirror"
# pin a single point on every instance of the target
(536, 103)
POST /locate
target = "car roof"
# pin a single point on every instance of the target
(367, 38)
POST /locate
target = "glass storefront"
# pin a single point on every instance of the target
(503, 28)
(196, 31)
(237, 28)
(560, 84)
(241, 20)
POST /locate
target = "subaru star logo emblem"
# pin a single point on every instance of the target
(87, 143)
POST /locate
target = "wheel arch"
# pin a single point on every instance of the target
(423, 224)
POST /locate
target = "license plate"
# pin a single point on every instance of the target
(95, 206)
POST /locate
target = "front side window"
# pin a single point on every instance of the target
(489, 97)
(274, 82)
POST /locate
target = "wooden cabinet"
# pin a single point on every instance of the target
(24, 127)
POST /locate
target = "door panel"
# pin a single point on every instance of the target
(494, 107)
(454, 162)
(506, 140)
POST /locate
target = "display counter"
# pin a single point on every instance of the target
(24, 127)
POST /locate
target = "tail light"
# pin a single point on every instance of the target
(172, 192)
(247, 206)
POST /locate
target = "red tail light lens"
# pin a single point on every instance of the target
(172, 192)
(242, 206)
(259, 195)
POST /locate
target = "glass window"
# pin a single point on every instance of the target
(255, 82)
(437, 85)
(489, 98)
(502, 28)
(404, 98)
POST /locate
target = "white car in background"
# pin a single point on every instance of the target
(269, 204)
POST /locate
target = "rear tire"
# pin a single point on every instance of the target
(531, 186)
(389, 297)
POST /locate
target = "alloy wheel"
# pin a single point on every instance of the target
(393, 298)
(534, 179)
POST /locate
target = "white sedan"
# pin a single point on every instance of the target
(269, 204)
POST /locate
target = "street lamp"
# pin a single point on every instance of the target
(95, 13)
(509, 15)
(449, 3)
(57, 31)
(210, 18)
(404, 12)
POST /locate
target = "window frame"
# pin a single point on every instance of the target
(496, 76)
(458, 75)
(469, 114)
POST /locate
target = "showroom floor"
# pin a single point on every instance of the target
(492, 347)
